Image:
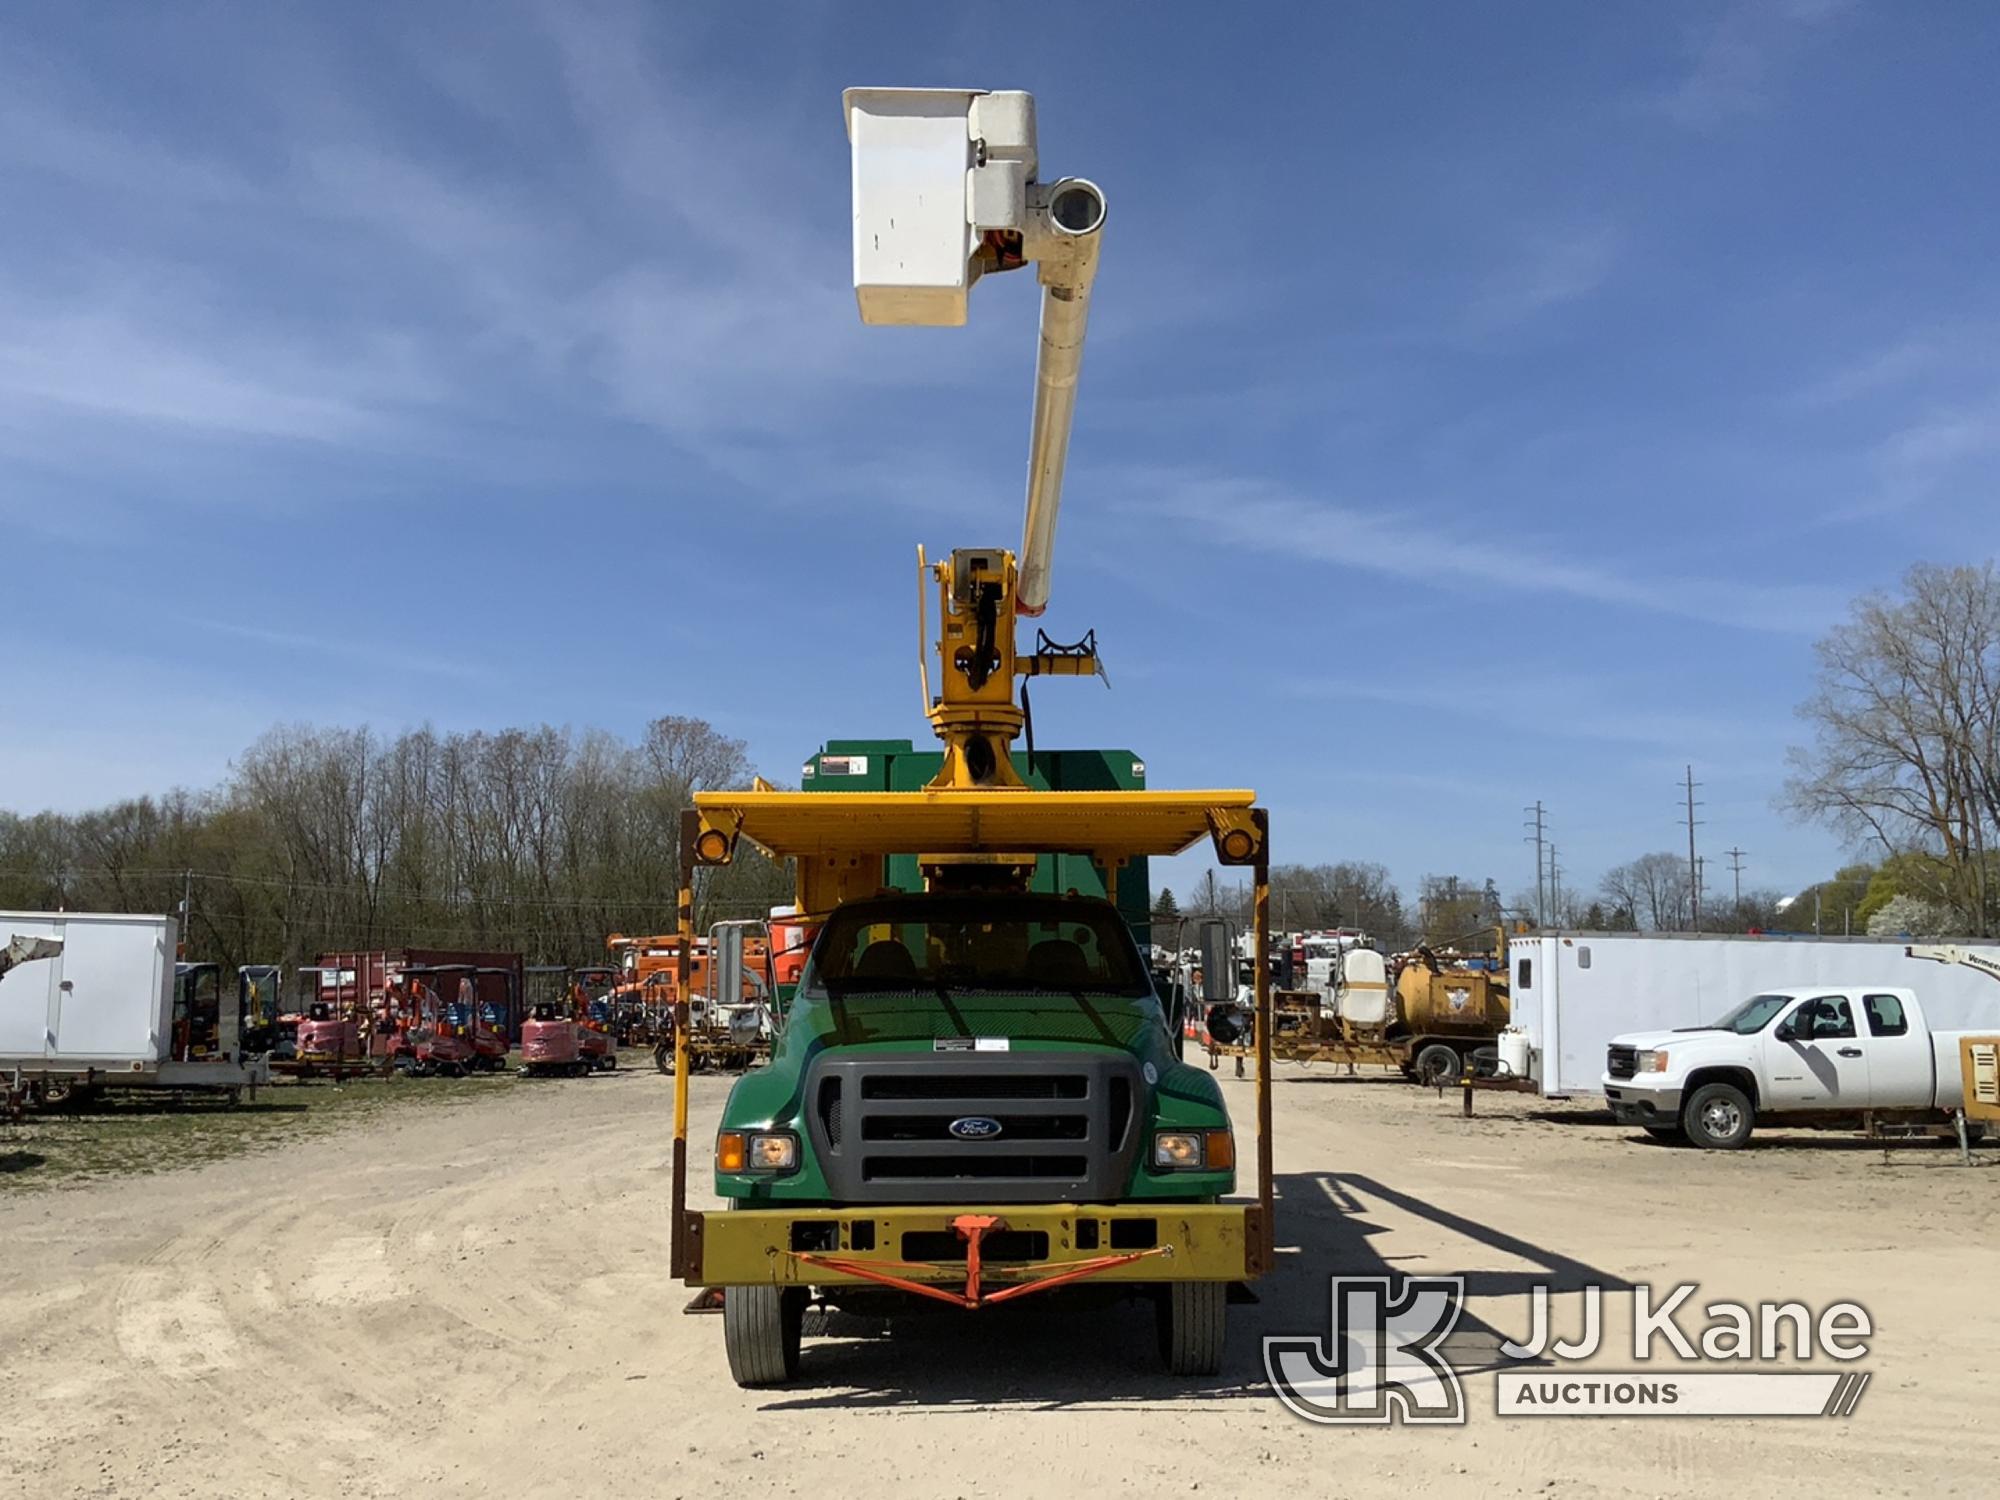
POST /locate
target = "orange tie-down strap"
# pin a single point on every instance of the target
(972, 1228)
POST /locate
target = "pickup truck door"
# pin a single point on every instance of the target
(1814, 1058)
(1900, 1065)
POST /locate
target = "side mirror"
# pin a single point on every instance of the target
(1788, 1029)
(726, 953)
(1218, 963)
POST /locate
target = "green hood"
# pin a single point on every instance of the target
(925, 1016)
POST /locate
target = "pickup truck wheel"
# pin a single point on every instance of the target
(1718, 1117)
(761, 1330)
(1437, 1063)
(1192, 1318)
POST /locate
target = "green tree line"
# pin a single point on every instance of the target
(538, 840)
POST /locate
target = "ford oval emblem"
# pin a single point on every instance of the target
(975, 1128)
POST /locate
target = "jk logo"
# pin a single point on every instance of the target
(1381, 1360)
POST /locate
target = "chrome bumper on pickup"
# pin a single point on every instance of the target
(1630, 1106)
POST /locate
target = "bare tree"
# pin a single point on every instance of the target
(1650, 893)
(1906, 734)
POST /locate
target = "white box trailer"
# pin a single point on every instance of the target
(102, 1010)
(1574, 991)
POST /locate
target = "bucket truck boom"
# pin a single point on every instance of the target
(26, 950)
(1950, 953)
(946, 191)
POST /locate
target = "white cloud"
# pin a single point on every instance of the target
(1555, 266)
(128, 364)
(1735, 59)
(1564, 707)
(378, 657)
(1257, 515)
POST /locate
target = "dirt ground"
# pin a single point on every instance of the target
(473, 1301)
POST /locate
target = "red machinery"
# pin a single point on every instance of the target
(327, 1029)
(359, 984)
(573, 1034)
(490, 1016)
(591, 991)
(430, 1035)
(550, 1041)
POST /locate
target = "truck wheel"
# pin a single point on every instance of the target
(663, 1058)
(1718, 1117)
(1437, 1063)
(1191, 1317)
(761, 1328)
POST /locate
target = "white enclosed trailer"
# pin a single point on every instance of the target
(1574, 991)
(101, 1011)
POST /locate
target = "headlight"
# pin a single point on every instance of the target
(1194, 1150)
(1652, 1062)
(766, 1151)
(775, 1152)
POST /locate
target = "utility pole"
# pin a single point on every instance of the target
(1736, 870)
(1694, 867)
(1538, 821)
(1555, 883)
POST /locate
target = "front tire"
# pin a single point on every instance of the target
(1192, 1317)
(1718, 1117)
(762, 1327)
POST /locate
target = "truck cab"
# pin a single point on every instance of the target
(976, 1093)
(1806, 1055)
(1007, 1045)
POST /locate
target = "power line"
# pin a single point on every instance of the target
(358, 889)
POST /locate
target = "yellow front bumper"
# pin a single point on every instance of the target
(759, 1246)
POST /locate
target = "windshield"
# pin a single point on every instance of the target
(975, 942)
(1753, 1015)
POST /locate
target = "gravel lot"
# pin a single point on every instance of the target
(473, 1301)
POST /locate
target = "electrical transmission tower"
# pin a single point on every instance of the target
(1694, 864)
(1539, 837)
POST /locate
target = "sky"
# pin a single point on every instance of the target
(1483, 403)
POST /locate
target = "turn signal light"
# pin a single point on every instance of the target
(1238, 845)
(731, 1151)
(1221, 1150)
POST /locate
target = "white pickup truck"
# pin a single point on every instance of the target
(1799, 1057)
